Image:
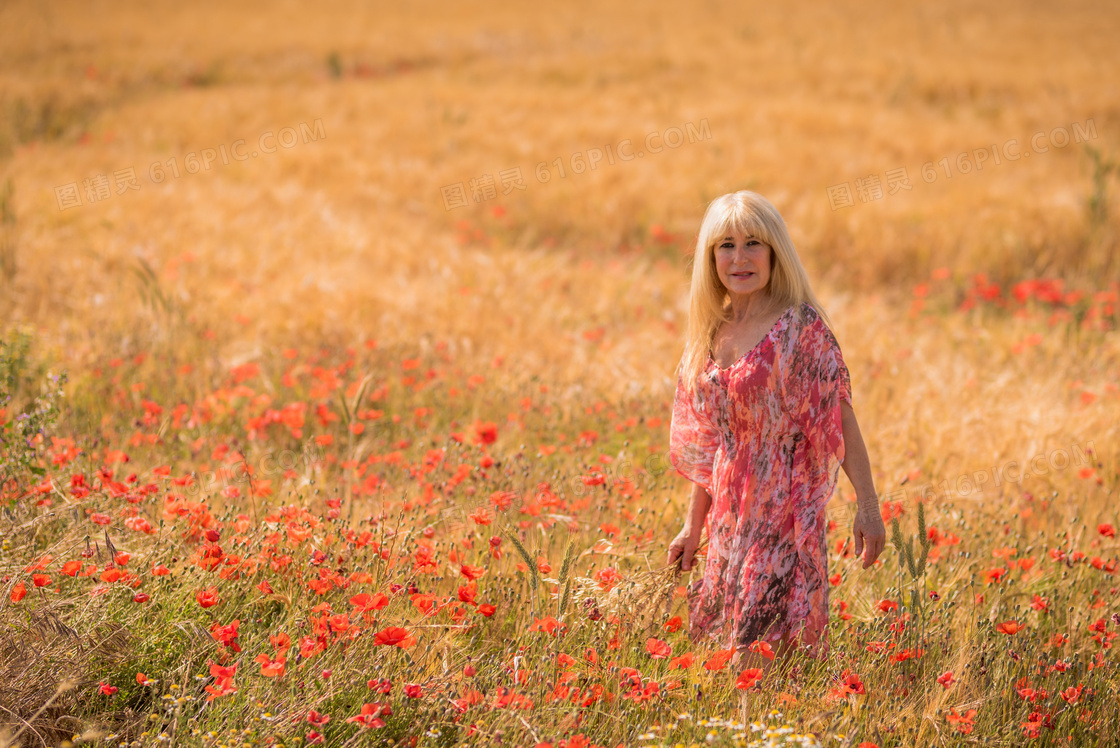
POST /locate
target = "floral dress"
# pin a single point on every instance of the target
(764, 438)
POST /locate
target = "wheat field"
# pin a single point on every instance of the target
(396, 293)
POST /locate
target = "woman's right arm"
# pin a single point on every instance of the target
(687, 541)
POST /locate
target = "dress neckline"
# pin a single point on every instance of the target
(756, 345)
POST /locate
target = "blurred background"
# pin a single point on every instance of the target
(517, 187)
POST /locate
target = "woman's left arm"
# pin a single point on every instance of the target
(868, 526)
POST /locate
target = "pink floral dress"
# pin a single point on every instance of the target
(764, 438)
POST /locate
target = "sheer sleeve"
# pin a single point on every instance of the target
(814, 380)
(693, 434)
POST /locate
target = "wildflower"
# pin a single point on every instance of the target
(227, 635)
(682, 662)
(748, 678)
(105, 689)
(719, 659)
(271, 667)
(472, 572)
(946, 679)
(394, 636)
(318, 719)
(548, 624)
(963, 722)
(658, 649)
(762, 648)
(1009, 627)
(207, 598)
(370, 715)
(365, 602)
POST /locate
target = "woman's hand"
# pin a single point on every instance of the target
(870, 533)
(684, 546)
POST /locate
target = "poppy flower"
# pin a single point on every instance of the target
(394, 636)
(946, 679)
(207, 598)
(548, 624)
(270, 667)
(748, 678)
(762, 648)
(370, 715)
(963, 722)
(472, 572)
(1009, 627)
(658, 649)
(18, 592)
(682, 662)
(365, 602)
(719, 660)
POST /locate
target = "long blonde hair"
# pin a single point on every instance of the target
(750, 214)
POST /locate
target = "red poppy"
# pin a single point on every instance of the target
(1009, 627)
(472, 572)
(658, 649)
(394, 636)
(748, 678)
(271, 667)
(365, 602)
(207, 598)
(682, 662)
(963, 722)
(762, 648)
(719, 660)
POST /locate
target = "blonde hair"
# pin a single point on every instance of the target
(750, 214)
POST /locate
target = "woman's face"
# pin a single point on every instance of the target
(742, 263)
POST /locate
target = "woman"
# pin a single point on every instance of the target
(762, 419)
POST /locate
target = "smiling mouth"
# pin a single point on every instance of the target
(741, 275)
